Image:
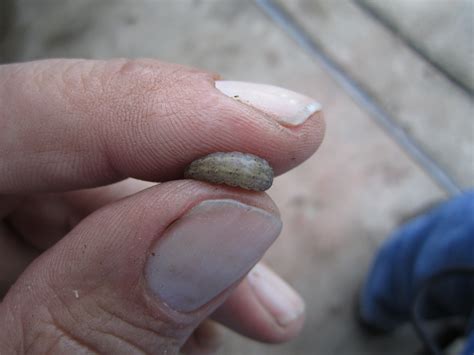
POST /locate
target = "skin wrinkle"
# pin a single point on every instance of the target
(196, 118)
(33, 342)
(122, 343)
(88, 334)
(79, 139)
(175, 124)
(110, 157)
(74, 80)
(137, 122)
(180, 147)
(64, 334)
(43, 325)
(114, 316)
(149, 137)
(115, 174)
(153, 332)
(56, 342)
(65, 306)
(93, 94)
(149, 77)
(81, 342)
(19, 346)
(176, 325)
(26, 349)
(177, 119)
(89, 85)
(154, 335)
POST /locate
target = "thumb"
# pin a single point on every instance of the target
(141, 274)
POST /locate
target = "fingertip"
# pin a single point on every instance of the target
(282, 126)
(284, 304)
(263, 307)
(161, 260)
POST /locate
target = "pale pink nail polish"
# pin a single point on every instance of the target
(207, 250)
(288, 107)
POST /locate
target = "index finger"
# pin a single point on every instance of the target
(70, 124)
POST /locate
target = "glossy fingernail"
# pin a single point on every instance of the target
(207, 250)
(275, 295)
(289, 107)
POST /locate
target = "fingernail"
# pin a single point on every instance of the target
(289, 107)
(275, 295)
(207, 250)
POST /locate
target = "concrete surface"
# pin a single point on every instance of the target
(436, 113)
(340, 204)
(442, 30)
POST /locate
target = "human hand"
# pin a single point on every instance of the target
(115, 264)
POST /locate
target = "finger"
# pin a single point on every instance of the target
(139, 274)
(43, 219)
(39, 221)
(70, 124)
(263, 307)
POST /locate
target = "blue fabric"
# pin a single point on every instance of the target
(469, 347)
(440, 240)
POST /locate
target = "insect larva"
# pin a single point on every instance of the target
(234, 169)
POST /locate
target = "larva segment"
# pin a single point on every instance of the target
(234, 169)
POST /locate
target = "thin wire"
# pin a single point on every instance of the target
(358, 94)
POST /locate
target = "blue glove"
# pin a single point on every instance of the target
(437, 246)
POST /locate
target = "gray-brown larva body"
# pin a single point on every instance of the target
(234, 169)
